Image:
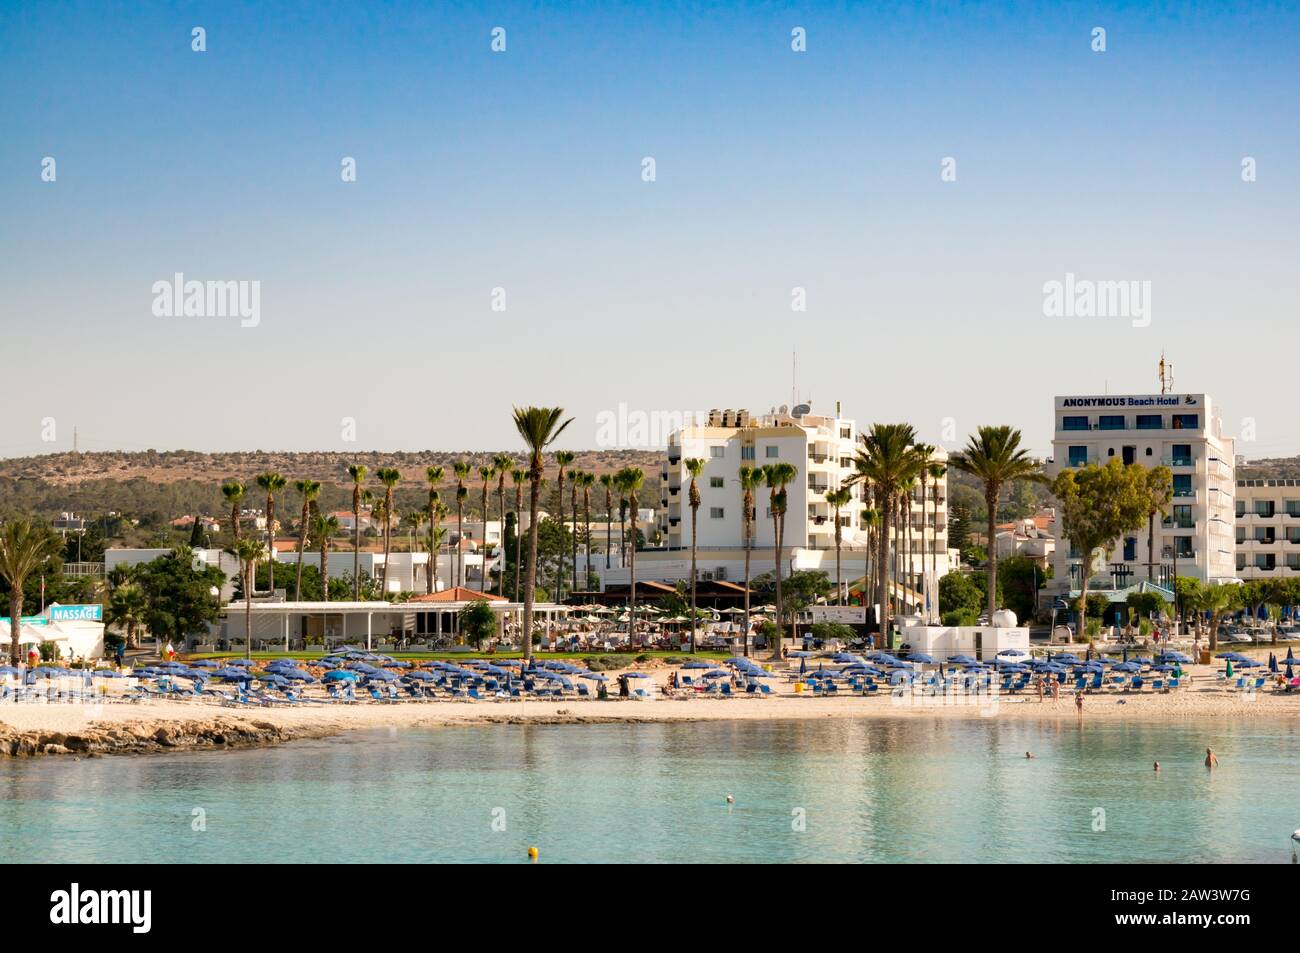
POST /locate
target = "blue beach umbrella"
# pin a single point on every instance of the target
(922, 658)
(339, 675)
(698, 663)
(381, 675)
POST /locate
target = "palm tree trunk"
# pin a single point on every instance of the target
(325, 567)
(882, 567)
(586, 519)
(609, 520)
(356, 549)
(460, 542)
(991, 501)
(631, 597)
(839, 576)
(744, 636)
(518, 536)
(695, 519)
(302, 545)
(388, 538)
(574, 501)
(248, 610)
(501, 534)
(530, 579)
(15, 612)
(776, 565)
(934, 556)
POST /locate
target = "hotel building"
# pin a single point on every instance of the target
(1268, 529)
(1180, 431)
(821, 447)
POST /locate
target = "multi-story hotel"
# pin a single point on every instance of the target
(1268, 529)
(1180, 431)
(821, 448)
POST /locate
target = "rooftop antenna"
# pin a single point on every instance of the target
(1166, 375)
(794, 378)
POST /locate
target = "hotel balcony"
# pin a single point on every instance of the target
(1178, 463)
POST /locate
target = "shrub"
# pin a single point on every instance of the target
(961, 617)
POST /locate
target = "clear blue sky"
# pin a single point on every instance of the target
(521, 170)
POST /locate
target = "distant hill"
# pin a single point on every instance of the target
(1274, 468)
(160, 485)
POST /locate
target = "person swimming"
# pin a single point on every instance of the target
(1210, 760)
(1029, 754)
(1157, 767)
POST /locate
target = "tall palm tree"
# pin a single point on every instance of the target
(461, 469)
(886, 461)
(927, 452)
(994, 456)
(389, 477)
(905, 518)
(607, 481)
(24, 549)
(502, 463)
(539, 427)
(485, 474)
(588, 481)
(324, 527)
(249, 552)
(563, 458)
(871, 523)
(575, 479)
(634, 478)
(620, 484)
(271, 484)
(126, 608)
(838, 499)
(436, 511)
(518, 476)
(358, 473)
(751, 478)
(694, 466)
(778, 476)
(413, 521)
(937, 472)
(309, 490)
(234, 491)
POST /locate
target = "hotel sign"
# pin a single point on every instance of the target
(1158, 400)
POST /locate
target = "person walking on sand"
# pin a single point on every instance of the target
(1039, 682)
(1210, 760)
(1078, 701)
(1056, 690)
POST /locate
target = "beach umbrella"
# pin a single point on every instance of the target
(1289, 676)
(697, 663)
(1272, 662)
(1228, 670)
(1013, 652)
(921, 657)
(420, 674)
(295, 675)
(637, 675)
(382, 675)
(207, 663)
(594, 677)
(339, 675)
(961, 660)
(272, 678)
(10, 670)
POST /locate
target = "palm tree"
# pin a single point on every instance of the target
(413, 521)
(607, 481)
(126, 607)
(436, 511)
(389, 477)
(588, 481)
(936, 471)
(271, 483)
(886, 462)
(234, 491)
(249, 552)
(871, 523)
(905, 518)
(323, 528)
(518, 476)
(927, 453)
(485, 474)
(694, 466)
(358, 473)
(309, 490)
(1160, 492)
(838, 499)
(503, 463)
(575, 478)
(620, 484)
(778, 475)
(24, 549)
(751, 478)
(995, 457)
(634, 478)
(563, 458)
(538, 426)
(461, 469)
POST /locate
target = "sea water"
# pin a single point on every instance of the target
(849, 790)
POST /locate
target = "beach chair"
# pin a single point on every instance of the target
(1096, 681)
(832, 688)
(582, 691)
(473, 693)
(764, 689)
(1137, 683)
(1080, 683)
(1173, 683)
(726, 689)
(640, 694)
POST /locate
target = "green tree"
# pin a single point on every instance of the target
(1160, 490)
(751, 478)
(249, 552)
(436, 512)
(959, 592)
(994, 457)
(778, 476)
(1019, 579)
(358, 474)
(838, 499)
(563, 458)
(233, 492)
(127, 607)
(25, 548)
(309, 490)
(633, 480)
(959, 530)
(538, 427)
(270, 484)
(461, 469)
(502, 465)
(1098, 504)
(389, 477)
(325, 528)
(477, 622)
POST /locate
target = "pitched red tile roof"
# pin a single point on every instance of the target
(457, 594)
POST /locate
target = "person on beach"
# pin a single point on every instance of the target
(1039, 682)
(1078, 701)
(1029, 755)
(1056, 689)
(1210, 760)
(120, 652)
(169, 653)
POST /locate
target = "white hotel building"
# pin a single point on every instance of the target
(1180, 431)
(1268, 529)
(821, 448)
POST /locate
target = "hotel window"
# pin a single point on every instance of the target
(747, 453)
(1293, 560)
(1293, 534)
(1183, 517)
(716, 512)
(1264, 508)
(1241, 561)
(1264, 534)
(717, 453)
(772, 452)
(1185, 421)
(1074, 423)
(1266, 561)
(1293, 507)
(846, 433)
(1182, 454)
(1241, 508)
(715, 483)
(1241, 534)
(1183, 547)
(1130, 549)
(1183, 485)
(1078, 456)
(1150, 422)
(1110, 422)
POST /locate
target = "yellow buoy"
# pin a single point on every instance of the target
(532, 853)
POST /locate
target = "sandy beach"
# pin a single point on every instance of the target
(160, 725)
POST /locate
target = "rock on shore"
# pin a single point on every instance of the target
(144, 736)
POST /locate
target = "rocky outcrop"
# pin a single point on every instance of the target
(145, 736)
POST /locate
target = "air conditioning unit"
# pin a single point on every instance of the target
(720, 574)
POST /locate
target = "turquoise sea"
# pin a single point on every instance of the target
(834, 790)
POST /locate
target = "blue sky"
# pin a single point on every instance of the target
(521, 170)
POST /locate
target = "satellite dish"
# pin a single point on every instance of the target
(784, 409)
(800, 410)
